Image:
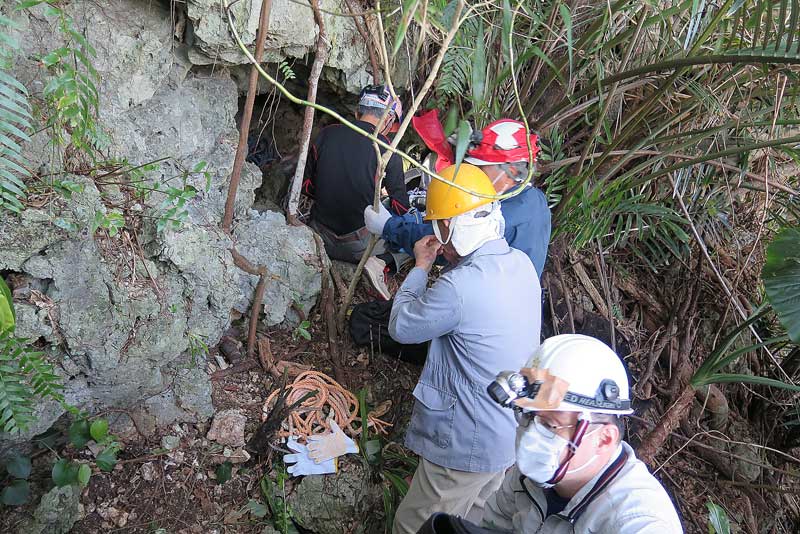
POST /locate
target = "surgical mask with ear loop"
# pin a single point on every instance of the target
(438, 233)
(591, 460)
(539, 451)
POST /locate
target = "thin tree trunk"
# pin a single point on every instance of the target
(247, 114)
(255, 309)
(328, 312)
(241, 151)
(655, 439)
(321, 55)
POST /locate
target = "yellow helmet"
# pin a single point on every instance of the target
(445, 201)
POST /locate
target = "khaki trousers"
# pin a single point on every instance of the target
(439, 489)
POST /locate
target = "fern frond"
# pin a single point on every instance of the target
(25, 375)
(455, 73)
(15, 122)
(16, 410)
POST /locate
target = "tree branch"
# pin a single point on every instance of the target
(247, 114)
(320, 56)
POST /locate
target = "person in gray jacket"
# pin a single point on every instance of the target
(573, 473)
(481, 316)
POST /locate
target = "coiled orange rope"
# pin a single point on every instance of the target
(332, 401)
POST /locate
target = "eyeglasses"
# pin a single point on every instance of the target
(525, 418)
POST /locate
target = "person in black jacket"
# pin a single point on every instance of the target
(340, 176)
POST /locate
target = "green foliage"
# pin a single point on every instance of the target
(65, 472)
(7, 315)
(286, 70)
(15, 126)
(781, 275)
(409, 8)
(223, 472)
(301, 330)
(69, 473)
(655, 104)
(107, 458)
(387, 461)
(19, 466)
(275, 495)
(99, 430)
(71, 92)
(173, 208)
(718, 522)
(81, 432)
(256, 509)
(25, 375)
(16, 493)
(197, 347)
(112, 221)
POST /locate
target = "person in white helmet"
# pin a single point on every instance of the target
(573, 472)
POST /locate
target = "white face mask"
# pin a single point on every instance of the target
(468, 232)
(539, 452)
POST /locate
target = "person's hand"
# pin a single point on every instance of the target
(376, 220)
(426, 250)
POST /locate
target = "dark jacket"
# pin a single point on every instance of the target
(340, 176)
(527, 227)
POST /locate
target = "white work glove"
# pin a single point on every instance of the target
(376, 220)
(302, 464)
(323, 447)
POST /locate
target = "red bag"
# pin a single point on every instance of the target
(429, 128)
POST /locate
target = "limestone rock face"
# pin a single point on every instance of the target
(122, 316)
(289, 254)
(292, 33)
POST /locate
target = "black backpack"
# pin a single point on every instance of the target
(369, 327)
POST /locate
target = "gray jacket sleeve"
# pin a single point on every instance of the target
(420, 314)
(499, 510)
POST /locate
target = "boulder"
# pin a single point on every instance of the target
(332, 504)
(289, 253)
(57, 512)
(227, 428)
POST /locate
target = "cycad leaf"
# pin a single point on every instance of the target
(781, 275)
(409, 8)
(479, 70)
(717, 519)
(567, 18)
(462, 142)
(14, 127)
(724, 378)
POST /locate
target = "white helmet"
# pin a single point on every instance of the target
(576, 373)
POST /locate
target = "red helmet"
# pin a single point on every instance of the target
(502, 141)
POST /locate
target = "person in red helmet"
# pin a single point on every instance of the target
(501, 151)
